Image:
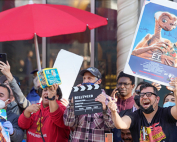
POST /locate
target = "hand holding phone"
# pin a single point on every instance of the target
(5, 69)
(115, 93)
(3, 57)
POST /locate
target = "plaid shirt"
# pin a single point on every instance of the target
(88, 127)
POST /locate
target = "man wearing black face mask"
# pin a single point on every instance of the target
(150, 122)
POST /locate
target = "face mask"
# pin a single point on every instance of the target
(148, 110)
(89, 83)
(137, 100)
(2, 104)
(167, 104)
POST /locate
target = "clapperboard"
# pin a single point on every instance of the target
(84, 99)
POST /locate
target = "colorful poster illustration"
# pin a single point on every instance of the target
(153, 54)
(48, 77)
(4, 135)
(152, 133)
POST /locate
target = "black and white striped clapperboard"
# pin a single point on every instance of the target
(84, 99)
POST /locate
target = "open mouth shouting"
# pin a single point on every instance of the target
(146, 103)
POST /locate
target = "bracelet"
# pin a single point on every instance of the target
(51, 99)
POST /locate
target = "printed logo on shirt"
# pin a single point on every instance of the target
(39, 125)
(152, 133)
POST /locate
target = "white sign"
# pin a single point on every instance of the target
(68, 65)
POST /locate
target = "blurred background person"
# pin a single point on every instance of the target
(34, 95)
(18, 101)
(169, 100)
(126, 135)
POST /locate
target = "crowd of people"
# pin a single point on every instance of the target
(132, 116)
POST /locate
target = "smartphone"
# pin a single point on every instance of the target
(108, 137)
(3, 57)
(117, 93)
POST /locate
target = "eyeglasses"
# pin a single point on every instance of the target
(125, 84)
(137, 91)
(148, 94)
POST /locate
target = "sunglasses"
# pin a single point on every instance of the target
(148, 94)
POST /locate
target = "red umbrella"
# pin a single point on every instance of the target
(45, 20)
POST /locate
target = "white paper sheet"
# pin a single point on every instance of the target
(68, 65)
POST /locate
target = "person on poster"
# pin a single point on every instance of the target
(150, 122)
(89, 127)
(154, 47)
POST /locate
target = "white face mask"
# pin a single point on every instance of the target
(2, 104)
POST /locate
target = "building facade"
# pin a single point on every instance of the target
(105, 47)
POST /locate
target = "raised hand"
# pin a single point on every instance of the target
(112, 105)
(113, 94)
(157, 85)
(5, 69)
(101, 98)
(174, 84)
(64, 102)
(52, 90)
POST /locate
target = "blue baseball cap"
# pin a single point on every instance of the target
(94, 71)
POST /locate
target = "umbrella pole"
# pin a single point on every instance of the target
(37, 52)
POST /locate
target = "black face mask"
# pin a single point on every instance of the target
(137, 100)
(148, 110)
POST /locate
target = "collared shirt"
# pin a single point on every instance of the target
(88, 127)
(125, 104)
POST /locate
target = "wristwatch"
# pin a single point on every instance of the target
(51, 99)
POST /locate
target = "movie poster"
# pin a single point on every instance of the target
(4, 135)
(153, 53)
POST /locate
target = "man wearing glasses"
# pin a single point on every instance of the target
(123, 94)
(150, 122)
(123, 91)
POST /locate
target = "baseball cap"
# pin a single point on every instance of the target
(36, 70)
(94, 71)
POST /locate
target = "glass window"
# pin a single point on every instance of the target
(106, 43)
(78, 43)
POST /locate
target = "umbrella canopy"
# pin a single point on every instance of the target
(45, 20)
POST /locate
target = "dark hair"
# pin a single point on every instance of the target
(140, 83)
(59, 93)
(122, 74)
(4, 86)
(143, 86)
(171, 93)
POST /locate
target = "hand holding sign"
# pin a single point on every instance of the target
(101, 98)
(174, 83)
